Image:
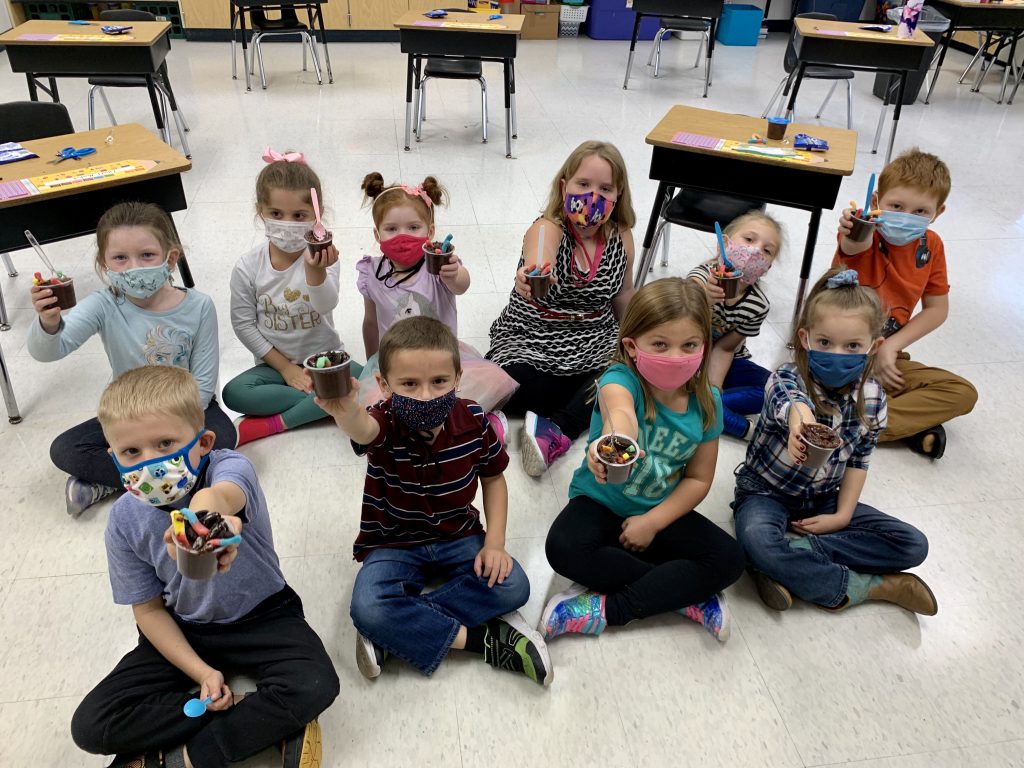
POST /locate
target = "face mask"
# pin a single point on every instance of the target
(588, 209)
(833, 370)
(423, 415)
(900, 228)
(287, 235)
(141, 282)
(750, 259)
(162, 480)
(668, 372)
(403, 250)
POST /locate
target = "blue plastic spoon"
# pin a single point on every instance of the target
(721, 246)
(196, 707)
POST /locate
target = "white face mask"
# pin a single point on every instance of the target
(287, 235)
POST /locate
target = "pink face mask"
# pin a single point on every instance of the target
(750, 259)
(403, 250)
(667, 372)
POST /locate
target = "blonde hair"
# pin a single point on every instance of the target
(751, 217)
(134, 214)
(384, 198)
(417, 333)
(623, 217)
(917, 170)
(843, 298)
(295, 177)
(162, 390)
(659, 302)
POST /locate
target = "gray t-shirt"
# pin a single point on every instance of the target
(140, 568)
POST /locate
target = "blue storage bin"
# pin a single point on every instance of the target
(740, 24)
(611, 20)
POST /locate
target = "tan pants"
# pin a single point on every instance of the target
(930, 396)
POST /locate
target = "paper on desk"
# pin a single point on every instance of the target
(12, 152)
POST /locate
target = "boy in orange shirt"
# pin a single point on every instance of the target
(905, 262)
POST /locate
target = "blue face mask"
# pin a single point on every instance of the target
(899, 228)
(165, 479)
(834, 370)
(142, 282)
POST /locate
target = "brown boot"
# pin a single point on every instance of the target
(907, 591)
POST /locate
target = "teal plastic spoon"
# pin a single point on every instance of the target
(196, 707)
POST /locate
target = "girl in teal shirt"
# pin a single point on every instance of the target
(640, 548)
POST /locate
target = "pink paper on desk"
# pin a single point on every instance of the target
(10, 189)
(36, 36)
(697, 140)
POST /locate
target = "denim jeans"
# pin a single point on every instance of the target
(872, 543)
(389, 607)
(742, 393)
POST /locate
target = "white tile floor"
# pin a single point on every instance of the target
(875, 686)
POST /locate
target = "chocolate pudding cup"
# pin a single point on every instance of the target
(861, 229)
(434, 259)
(65, 293)
(777, 128)
(316, 246)
(540, 285)
(331, 381)
(730, 283)
(618, 471)
(198, 566)
(820, 441)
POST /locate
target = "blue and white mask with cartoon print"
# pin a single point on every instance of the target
(165, 479)
(141, 282)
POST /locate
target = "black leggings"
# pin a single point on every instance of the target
(562, 399)
(687, 563)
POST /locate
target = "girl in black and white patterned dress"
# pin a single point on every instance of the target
(557, 345)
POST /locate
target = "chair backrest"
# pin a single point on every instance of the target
(790, 61)
(258, 17)
(27, 120)
(126, 15)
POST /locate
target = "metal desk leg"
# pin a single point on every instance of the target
(234, 55)
(245, 52)
(632, 49)
(944, 46)
(796, 89)
(647, 254)
(805, 265)
(5, 322)
(710, 50)
(881, 114)
(1020, 76)
(53, 90)
(154, 99)
(408, 101)
(323, 42)
(896, 115)
(13, 415)
(508, 107)
(1009, 66)
(515, 119)
(33, 94)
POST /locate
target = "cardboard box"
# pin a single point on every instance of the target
(541, 21)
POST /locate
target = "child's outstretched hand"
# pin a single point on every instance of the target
(214, 686)
(493, 564)
(522, 286)
(715, 293)
(45, 305)
(798, 414)
(597, 467)
(885, 367)
(342, 407)
(325, 258)
(846, 222)
(224, 558)
(297, 377)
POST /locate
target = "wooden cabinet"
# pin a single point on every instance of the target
(376, 14)
(338, 14)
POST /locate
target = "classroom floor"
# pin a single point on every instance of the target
(874, 687)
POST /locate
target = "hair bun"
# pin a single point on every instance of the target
(373, 185)
(437, 193)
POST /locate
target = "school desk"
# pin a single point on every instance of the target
(810, 183)
(459, 36)
(51, 49)
(1005, 17)
(844, 44)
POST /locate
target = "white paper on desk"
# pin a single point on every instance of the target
(12, 152)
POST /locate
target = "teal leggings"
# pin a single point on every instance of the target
(261, 391)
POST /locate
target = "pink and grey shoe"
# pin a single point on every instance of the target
(713, 614)
(542, 442)
(574, 611)
(499, 424)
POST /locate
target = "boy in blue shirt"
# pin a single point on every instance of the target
(246, 618)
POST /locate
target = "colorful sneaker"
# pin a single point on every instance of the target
(79, 495)
(303, 749)
(542, 443)
(713, 614)
(510, 643)
(576, 610)
(369, 658)
(500, 425)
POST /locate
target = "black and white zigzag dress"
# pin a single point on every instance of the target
(521, 334)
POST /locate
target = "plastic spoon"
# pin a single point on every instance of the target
(871, 189)
(540, 246)
(39, 249)
(196, 707)
(318, 229)
(721, 246)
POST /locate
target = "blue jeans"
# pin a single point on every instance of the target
(389, 607)
(742, 393)
(872, 543)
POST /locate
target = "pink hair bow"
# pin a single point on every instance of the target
(270, 156)
(417, 191)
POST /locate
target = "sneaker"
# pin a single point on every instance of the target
(772, 594)
(713, 614)
(510, 643)
(500, 425)
(369, 658)
(79, 495)
(542, 443)
(577, 610)
(303, 749)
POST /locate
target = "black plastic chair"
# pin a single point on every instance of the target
(288, 24)
(670, 24)
(162, 81)
(695, 209)
(437, 68)
(25, 121)
(835, 74)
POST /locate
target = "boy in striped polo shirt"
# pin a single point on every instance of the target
(427, 450)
